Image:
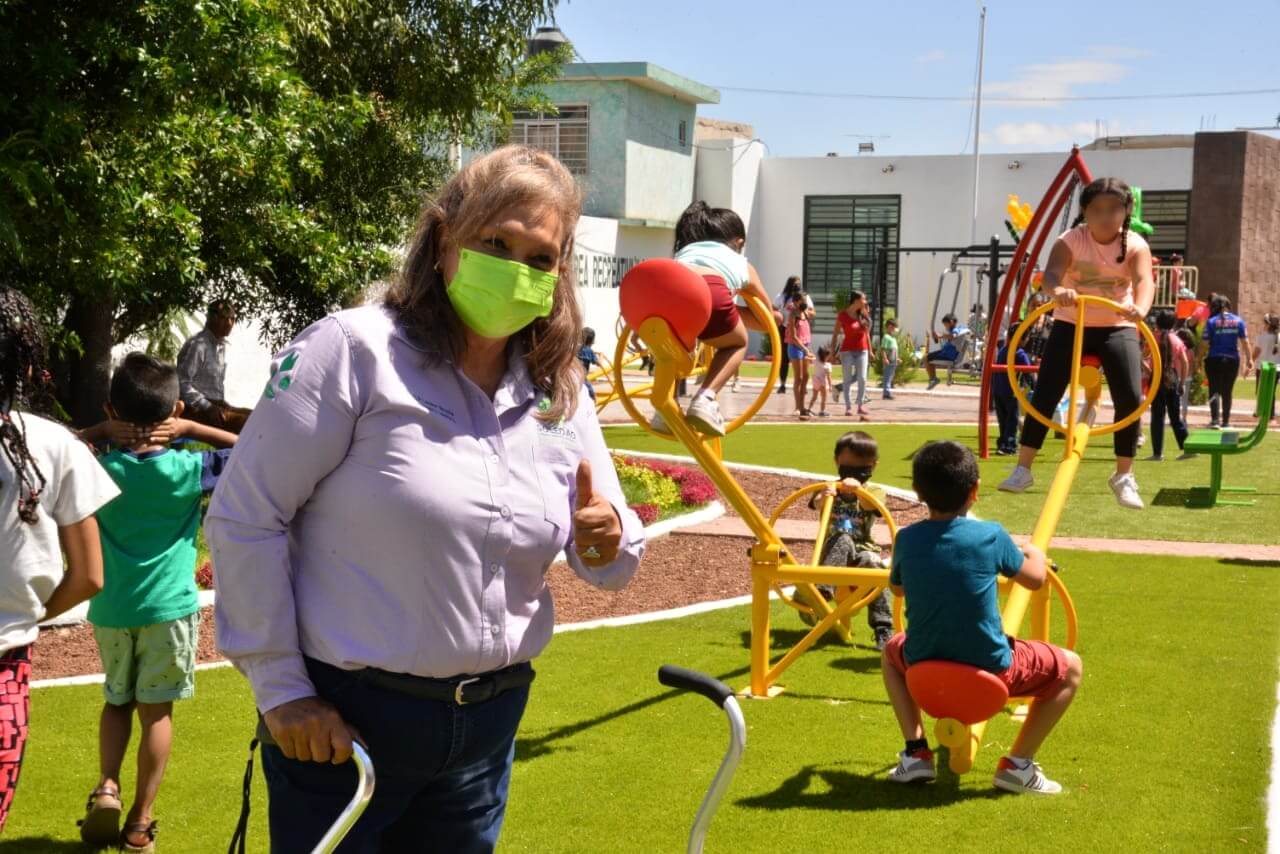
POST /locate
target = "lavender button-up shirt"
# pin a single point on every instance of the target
(380, 512)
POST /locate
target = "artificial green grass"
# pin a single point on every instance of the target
(1091, 510)
(1166, 747)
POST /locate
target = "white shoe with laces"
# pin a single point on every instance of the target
(914, 767)
(1125, 487)
(1019, 480)
(1029, 779)
(704, 416)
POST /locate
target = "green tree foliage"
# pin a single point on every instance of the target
(154, 155)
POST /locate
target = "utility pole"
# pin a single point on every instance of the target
(977, 123)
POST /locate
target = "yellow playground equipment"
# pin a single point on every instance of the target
(963, 698)
(666, 304)
(696, 367)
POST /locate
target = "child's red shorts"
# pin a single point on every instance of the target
(724, 311)
(1038, 668)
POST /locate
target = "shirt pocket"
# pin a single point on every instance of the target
(556, 466)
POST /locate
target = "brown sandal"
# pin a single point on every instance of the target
(101, 823)
(144, 827)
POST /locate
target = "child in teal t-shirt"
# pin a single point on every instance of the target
(146, 618)
(888, 358)
(948, 566)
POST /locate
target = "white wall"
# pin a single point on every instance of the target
(726, 173)
(600, 240)
(937, 204)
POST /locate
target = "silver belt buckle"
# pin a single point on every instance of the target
(457, 691)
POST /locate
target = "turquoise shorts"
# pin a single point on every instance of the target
(149, 664)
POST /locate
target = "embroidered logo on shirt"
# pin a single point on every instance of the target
(544, 404)
(281, 376)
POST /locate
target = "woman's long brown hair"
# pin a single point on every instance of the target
(511, 176)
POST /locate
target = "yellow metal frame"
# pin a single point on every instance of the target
(698, 366)
(963, 740)
(772, 564)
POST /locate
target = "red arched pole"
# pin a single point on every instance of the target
(1038, 232)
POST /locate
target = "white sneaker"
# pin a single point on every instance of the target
(1019, 480)
(659, 424)
(1142, 437)
(914, 767)
(1030, 779)
(1125, 486)
(704, 416)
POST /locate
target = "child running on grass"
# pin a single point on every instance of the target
(1099, 256)
(947, 567)
(146, 618)
(849, 536)
(50, 487)
(709, 241)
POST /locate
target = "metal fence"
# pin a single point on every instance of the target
(1170, 280)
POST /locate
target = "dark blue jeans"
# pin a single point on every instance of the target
(442, 772)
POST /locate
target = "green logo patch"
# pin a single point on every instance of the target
(281, 376)
(544, 404)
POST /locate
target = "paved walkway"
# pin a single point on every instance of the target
(956, 404)
(807, 529)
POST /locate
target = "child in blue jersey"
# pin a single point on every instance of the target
(947, 566)
(146, 618)
(1227, 342)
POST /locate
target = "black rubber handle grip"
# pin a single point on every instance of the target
(690, 680)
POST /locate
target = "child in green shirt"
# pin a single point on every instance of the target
(888, 357)
(147, 616)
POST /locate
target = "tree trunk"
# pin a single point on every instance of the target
(93, 321)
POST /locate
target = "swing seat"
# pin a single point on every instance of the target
(949, 689)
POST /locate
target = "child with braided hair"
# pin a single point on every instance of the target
(50, 487)
(1098, 256)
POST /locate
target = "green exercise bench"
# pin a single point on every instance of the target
(1220, 443)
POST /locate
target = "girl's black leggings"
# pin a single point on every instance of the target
(1221, 372)
(1117, 348)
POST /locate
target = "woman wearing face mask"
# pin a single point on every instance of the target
(383, 531)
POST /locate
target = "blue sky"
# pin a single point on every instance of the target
(928, 47)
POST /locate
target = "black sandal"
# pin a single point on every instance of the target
(145, 827)
(101, 823)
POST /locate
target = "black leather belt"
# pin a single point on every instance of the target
(461, 690)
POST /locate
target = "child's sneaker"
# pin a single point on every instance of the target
(883, 636)
(1019, 480)
(704, 416)
(914, 767)
(659, 425)
(933, 384)
(1012, 777)
(1125, 487)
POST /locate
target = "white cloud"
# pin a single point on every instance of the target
(931, 56)
(1049, 81)
(1039, 134)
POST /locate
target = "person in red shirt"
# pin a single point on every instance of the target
(853, 332)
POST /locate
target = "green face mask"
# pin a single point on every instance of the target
(496, 297)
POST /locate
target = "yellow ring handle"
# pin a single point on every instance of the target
(1082, 301)
(762, 313)
(861, 492)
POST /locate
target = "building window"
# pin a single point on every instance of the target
(841, 237)
(1166, 212)
(684, 133)
(563, 134)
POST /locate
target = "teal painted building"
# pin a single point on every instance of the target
(626, 130)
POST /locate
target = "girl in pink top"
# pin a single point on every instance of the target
(1100, 256)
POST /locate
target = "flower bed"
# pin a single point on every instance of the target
(656, 489)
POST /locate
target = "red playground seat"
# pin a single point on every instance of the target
(948, 689)
(1091, 362)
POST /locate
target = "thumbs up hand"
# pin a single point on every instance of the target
(597, 530)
